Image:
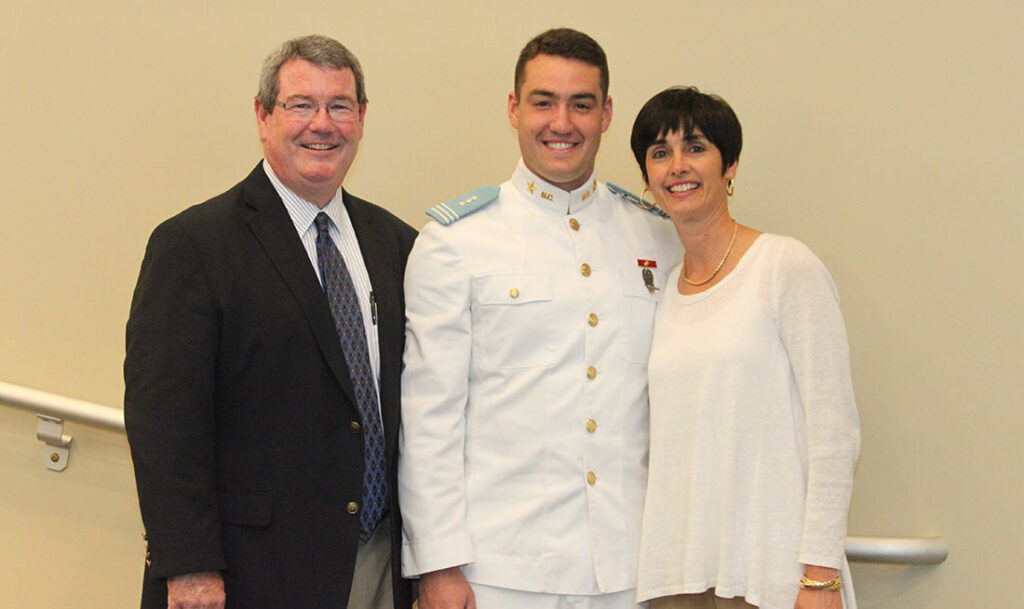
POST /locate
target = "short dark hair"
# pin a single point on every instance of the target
(567, 43)
(686, 109)
(317, 50)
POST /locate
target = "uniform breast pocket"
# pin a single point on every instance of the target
(641, 289)
(514, 320)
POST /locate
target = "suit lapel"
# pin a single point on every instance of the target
(269, 221)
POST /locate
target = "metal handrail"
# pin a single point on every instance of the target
(897, 550)
(882, 550)
(62, 407)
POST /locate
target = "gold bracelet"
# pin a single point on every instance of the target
(813, 584)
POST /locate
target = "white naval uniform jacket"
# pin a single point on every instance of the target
(524, 394)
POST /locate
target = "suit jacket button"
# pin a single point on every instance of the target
(352, 507)
(354, 426)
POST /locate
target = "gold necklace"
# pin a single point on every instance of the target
(735, 228)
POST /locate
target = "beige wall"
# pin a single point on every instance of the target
(885, 135)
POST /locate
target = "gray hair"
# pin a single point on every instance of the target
(318, 50)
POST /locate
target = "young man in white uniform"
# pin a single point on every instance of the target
(530, 311)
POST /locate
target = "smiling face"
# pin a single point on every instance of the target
(311, 157)
(684, 174)
(560, 114)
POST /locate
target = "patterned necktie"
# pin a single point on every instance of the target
(348, 319)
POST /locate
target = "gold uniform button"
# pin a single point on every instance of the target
(591, 425)
(352, 507)
(354, 426)
(591, 478)
(514, 292)
(591, 372)
(574, 223)
(592, 319)
(585, 269)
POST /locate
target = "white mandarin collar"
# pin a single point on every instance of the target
(550, 198)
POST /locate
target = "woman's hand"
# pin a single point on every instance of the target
(818, 599)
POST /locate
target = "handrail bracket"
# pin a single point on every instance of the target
(58, 444)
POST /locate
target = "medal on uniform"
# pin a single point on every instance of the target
(647, 274)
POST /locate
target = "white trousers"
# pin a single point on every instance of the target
(490, 597)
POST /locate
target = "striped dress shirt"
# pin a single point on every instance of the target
(302, 213)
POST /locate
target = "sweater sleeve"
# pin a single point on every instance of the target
(812, 329)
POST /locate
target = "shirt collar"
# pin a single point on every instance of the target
(550, 197)
(301, 211)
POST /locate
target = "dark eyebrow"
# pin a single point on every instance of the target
(574, 97)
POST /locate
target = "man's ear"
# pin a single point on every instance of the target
(606, 114)
(513, 109)
(261, 116)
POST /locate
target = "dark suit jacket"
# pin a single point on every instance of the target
(239, 406)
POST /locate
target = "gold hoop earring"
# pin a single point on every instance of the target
(644, 202)
(730, 187)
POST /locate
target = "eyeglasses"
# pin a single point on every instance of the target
(304, 108)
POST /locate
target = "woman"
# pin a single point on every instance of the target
(754, 430)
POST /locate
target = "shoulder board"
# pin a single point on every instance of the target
(461, 206)
(635, 200)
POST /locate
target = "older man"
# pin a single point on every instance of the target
(530, 306)
(262, 370)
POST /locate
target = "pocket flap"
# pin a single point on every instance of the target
(636, 285)
(512, 288)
